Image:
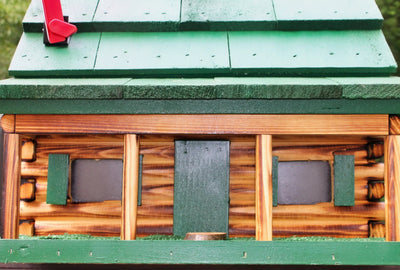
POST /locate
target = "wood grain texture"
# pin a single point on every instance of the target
(202, 236)
(130, 187)
(264, 188)
(28, 151)
(77, 225)
(8, 123)
(12, 179)
(392, 187)
(376, 190)
(204, 124)
(375, 150)
(376, 229)
(394, 125)
(27, 227)
(27, 190)
(155, 216)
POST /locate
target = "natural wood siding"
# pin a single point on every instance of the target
(155, 216)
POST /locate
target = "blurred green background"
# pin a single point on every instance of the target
(12, 12)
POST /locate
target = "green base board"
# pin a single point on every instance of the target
(201, 252)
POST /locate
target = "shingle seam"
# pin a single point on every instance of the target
(229, 51)
(97, 52)
(275, 18)
(95, 11)
(180, 15)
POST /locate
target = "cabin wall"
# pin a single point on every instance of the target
(155, 215)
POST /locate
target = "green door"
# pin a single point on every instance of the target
(201, 188)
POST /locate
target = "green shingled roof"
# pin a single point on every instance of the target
(200, 54)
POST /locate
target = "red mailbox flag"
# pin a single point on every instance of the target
(57, 29)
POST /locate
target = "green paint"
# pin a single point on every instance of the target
(310, 53)
(63, 88)
(137, 16)
(375, 87)
(325, 239)
(202, 88)
(144, 54)
(227, 15)
(208, 54)
(201, 187)
(57, 179)
(325, 14)
(33, 58)
(239, 106)
(344, 180)
(275, 164)
(174, 15)
(139, 202)
(80, 13)
(201, 252)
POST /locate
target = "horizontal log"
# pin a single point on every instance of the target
(394, 125)
(35, 209)
(204, 124)
(351, 228)
(376, 150)
(376, 229)
(78, 225)
(28, 150)
(8, 123)
(27, 227)
(376, 190)
(156, 213)
(361, 210)
(27, 189)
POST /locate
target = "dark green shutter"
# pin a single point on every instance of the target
(201, 188)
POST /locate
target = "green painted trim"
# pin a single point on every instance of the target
(57, 179)
(344, 180)
(222, 106)
(202, 88)
(200, 252)
(275, 164)
(139, 203)
(201, 186)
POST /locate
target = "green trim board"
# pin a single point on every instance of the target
(207, 54)
(275, 177)
(201, 186)
(175, 15)
(200, 252)
(343, 180)
(221, 106)
(57, 179)
(201, 88)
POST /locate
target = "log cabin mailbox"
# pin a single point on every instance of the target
(266, 120)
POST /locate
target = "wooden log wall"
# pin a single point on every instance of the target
(155, 215)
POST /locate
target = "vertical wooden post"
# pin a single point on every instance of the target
(12, 178)
(264, 188)
(392, 187)
(130, 187)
